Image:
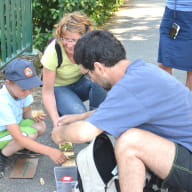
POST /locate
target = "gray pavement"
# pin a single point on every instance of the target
(136, 24)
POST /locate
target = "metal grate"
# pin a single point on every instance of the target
(15, 29)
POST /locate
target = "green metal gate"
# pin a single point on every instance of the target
(15, 29)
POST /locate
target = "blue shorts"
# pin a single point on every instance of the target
(176, 53)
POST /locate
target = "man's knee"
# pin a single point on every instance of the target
(129, 140)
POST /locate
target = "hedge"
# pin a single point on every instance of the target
(46, 13)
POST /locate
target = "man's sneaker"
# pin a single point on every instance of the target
(27, 152)
(2, 165)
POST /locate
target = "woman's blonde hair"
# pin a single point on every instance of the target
(75, 22)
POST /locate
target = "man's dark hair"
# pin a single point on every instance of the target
(98, 46)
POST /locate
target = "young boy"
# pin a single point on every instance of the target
(18, 126)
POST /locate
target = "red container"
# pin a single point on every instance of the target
(66, 178)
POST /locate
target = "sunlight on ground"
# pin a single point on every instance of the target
(131, 29)
(137, 13)
(138, 18)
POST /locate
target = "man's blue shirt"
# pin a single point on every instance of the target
(149, 98)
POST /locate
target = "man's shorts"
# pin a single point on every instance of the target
(180, 176)
(25, 127)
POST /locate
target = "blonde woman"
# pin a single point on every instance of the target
(65, 88)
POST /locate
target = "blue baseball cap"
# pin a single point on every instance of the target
(22, 72)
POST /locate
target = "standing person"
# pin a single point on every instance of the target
(65, 88)
(18, 127)
(146, 109)
(175, 50)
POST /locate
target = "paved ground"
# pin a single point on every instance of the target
(136, 24)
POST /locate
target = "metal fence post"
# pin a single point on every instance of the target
(15, 29)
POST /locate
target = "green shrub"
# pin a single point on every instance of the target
(46, 13)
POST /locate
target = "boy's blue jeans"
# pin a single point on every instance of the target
(70, 98)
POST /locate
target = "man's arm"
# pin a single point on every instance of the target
(77, 132)
(68, 119)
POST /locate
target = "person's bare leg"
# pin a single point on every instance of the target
(189, 80)
(137, 149)
(168, 69)
(12, 147)
(40, 127)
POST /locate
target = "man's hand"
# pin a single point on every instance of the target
(67, 119)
